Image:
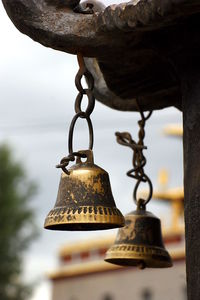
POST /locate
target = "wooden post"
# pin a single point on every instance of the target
(191, 142)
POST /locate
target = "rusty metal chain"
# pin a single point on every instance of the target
(139, 160)
(88, 92)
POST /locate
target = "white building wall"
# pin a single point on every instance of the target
(125, 284)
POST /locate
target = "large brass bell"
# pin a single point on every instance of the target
(139, 242)
(84, 200)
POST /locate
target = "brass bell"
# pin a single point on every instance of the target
(139, 242)
(84, 200)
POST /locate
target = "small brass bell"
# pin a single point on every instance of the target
(139, 242)
(84, 200)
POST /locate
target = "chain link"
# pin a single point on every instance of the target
(88, 92)
(139, 160)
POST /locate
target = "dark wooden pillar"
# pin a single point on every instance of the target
(191, 142)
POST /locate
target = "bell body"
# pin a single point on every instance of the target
(84, 200)
(139, 243)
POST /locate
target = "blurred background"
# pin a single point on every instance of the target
(37, 94)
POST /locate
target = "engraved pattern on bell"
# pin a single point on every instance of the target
(84, 201)
(139, 243)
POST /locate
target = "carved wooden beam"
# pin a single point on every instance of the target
(133, 44)
(59, 27)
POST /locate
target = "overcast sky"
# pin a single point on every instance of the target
(37, 95)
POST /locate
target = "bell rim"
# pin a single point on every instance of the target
(152, 258)
(84, 218)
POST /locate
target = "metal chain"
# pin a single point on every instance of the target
(139, 160)
(88, 92)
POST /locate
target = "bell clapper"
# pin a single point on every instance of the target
(139, 243)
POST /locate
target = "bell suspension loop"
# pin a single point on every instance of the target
(84, 199)
(139, 242)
